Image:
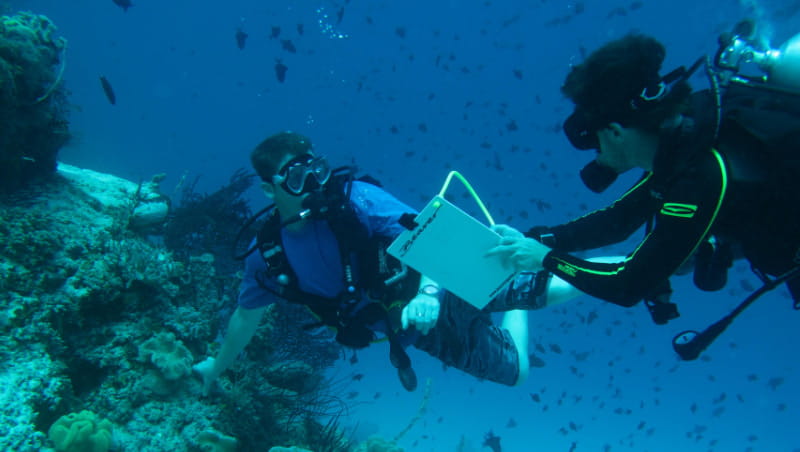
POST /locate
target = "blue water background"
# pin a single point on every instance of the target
(189, 102)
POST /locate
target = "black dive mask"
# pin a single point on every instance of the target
(581, 131)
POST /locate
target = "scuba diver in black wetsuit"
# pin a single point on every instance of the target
(722, 168)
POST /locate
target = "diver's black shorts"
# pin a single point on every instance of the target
(465, 338)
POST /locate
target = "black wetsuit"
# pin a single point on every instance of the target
(729, 187)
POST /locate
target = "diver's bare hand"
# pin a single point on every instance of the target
(422, 312)
(520, 253)
(205, 369)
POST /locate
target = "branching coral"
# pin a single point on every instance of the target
(209, 223)
(291, 340)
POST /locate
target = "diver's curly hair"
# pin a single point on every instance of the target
(268, 154)
(604, 85)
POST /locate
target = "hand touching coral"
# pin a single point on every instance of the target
(205, 369)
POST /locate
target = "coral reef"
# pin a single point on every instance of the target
(33, 106)
(96, 315)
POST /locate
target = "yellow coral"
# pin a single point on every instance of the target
(81, 432)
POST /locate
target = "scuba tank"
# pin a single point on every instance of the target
(742, 47)
(746, 66)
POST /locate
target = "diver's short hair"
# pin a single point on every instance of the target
(266, 157)
(604, 85)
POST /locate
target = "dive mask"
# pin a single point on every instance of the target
(580, 131)
(303, 174)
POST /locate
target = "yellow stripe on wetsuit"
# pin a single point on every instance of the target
(676, 209)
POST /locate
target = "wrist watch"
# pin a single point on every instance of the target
(429, 289)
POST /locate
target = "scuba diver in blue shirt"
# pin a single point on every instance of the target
(720, 165)
(324, 244)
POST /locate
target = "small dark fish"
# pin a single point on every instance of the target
(535, 361)
(241, 38)
(288, 46)
(511, 423)
(492, 441)
(276, 31)
(536, 398)
(300, 29)
(512, 126)
(108, 90)
(124, 4)
(339, 15)
(618, 11)
(358, 377)
(555, 348)
(517, 73)
(400, 31)
(352, 395)
(280, 71)
(354, 358)
(774, 383)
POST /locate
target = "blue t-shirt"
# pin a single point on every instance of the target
(313, 251)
